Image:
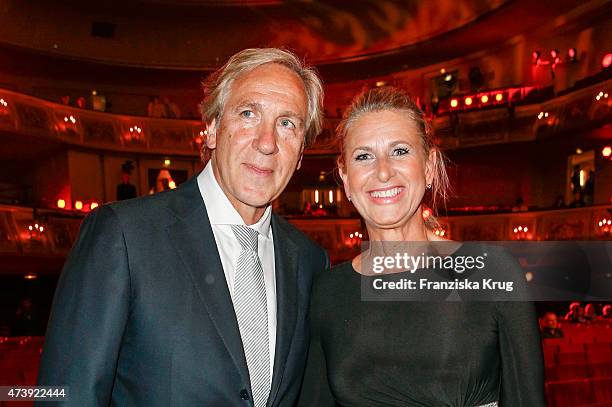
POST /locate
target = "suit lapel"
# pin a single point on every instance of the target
(194, 241)
(285, 262)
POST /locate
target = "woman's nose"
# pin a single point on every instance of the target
(384, 169)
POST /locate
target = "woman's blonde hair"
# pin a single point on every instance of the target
(218, 85)
(392, 98)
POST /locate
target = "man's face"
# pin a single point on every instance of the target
(550, 321)
(258, 143)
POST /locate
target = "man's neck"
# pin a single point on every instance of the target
(249, 215)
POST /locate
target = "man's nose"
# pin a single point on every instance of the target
(265, 140)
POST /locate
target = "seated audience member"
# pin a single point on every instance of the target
(81, 102)
(589, 313)
(576, 313)
(66, 100)
(606, 312)
(519, 205)
(550, 326)
(27, 321)
(172, 109)
(156, 108)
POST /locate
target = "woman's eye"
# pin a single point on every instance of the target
(247, 114)
(362, 157)
(400, 151)
(287, 123)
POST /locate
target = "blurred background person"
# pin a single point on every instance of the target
(550, 326)
(575, 313)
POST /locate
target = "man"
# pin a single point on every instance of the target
(126, 190)
(171, 299)
(550, 327)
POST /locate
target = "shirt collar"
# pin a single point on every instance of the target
(220, 209)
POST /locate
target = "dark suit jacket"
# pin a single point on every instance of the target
(142, 315)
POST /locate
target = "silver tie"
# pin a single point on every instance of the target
(252, 313)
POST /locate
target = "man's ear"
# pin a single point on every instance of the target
(211, 134)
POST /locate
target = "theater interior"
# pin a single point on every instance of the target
(99, 101)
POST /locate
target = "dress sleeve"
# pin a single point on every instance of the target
(315, 387)
(522, 376)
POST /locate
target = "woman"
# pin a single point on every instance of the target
(409, 353)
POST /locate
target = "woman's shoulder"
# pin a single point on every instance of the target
(337, 272)
(334, 278)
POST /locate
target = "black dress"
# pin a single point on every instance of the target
(407, 353)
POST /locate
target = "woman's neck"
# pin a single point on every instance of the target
(413, 231)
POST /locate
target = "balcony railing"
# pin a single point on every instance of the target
(29, 233)
(25, 115)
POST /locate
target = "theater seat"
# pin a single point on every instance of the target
(599, 355)
(571, 347)
(565, 358)
(571, 372)
(569, 393)
(602, 389)
(601, 369)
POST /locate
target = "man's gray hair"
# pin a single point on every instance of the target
(218, 85)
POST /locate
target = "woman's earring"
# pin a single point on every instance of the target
(348, 197)
(428, 186)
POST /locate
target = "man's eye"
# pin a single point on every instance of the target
(287, 123)
(247, 114)
(400, 151)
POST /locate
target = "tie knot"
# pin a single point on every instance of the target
(247, 237)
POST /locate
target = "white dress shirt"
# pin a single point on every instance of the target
(222, 214)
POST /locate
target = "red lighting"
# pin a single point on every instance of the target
(499, 97)
(454, 103)
(61, 203)
(468, 101)
(554, 53)
(606, 151)
(78, 205)
(571, 53)
(606, 61)
(484, 99)
(535, 55)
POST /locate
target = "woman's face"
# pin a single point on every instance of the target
(385, 170)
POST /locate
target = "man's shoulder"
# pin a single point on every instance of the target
(147, 210)
(140, 205)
